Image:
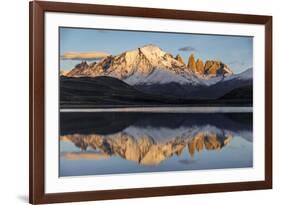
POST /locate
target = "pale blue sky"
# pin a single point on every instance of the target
(236, 51)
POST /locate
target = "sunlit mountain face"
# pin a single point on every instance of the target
(143, 61)
(111, 143)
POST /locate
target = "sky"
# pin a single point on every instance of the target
(235, 51)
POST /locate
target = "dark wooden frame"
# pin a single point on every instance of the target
(36, 113)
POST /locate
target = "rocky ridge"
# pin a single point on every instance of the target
(149, 59)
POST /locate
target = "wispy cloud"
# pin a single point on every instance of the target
(187, 48)
(95, 55)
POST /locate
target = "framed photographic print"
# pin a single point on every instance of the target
(137, 102)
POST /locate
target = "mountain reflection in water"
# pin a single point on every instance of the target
(108, 143)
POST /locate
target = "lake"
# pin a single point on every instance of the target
(115, 142)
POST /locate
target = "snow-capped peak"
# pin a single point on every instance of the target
(152, 51)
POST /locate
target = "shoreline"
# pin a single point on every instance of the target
(165, 109)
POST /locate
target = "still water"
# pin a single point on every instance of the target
(96, 143)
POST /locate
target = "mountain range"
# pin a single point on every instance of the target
(142, 64)
(150, 76)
